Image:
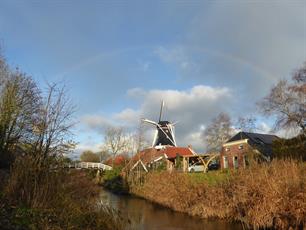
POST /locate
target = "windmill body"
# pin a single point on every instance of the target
(164, 134)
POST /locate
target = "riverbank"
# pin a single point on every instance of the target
(261, 196)
(113, 181)
(63, 200)
(147, 215)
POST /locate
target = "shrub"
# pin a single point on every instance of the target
(114, 181)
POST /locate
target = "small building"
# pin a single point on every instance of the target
(236, 151)
(165, 157)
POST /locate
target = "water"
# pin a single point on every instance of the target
(148, 216)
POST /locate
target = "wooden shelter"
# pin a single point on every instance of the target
(205, 159)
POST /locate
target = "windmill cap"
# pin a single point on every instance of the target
(164, 122)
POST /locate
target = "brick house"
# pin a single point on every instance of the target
(235, 151)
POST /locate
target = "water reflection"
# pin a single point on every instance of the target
(148, 216)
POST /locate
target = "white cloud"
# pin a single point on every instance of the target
(96, 122)
(195, 139)
(244, 45)
(288, 133)
(128, 117)
(193, 108)
(263, 127)
(136, 93)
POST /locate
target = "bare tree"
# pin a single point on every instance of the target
(139, 138)
(287, 102)
(52, 124)
(218, 132)
(246, 124)
(103, 155)
(115, 141)
(19, 102)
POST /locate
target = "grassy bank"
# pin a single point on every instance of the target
(261, 196)
(56, 199)
(113, 181)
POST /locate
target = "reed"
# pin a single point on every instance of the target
(261, 196)
(53, 198)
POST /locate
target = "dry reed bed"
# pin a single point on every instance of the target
(36, 198)
(261, 196)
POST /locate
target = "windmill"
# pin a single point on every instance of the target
(164, 134)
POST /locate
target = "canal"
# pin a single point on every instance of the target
(146, 215)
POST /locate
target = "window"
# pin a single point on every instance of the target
(225, 162)
(235, 162)
(240, 146)
(227, 149)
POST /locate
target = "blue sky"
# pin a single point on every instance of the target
(120, 58)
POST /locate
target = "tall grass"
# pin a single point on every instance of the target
(52, 198)
(261, 196)
(32, 184)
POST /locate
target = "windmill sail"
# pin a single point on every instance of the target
(164, 131)
(161, 110)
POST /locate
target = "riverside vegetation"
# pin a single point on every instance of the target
(260, 196)
(36, 192)
(61, 200)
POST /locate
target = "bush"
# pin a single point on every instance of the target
(113, 181)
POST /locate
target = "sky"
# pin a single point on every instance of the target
(119, 59)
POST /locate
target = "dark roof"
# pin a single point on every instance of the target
(263, 142)
(255, 137)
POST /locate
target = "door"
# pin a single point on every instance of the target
(225, 162)
(235, 161)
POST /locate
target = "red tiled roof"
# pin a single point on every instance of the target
(150, 154)
(172, 152)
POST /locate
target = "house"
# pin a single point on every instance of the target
(236, 151)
